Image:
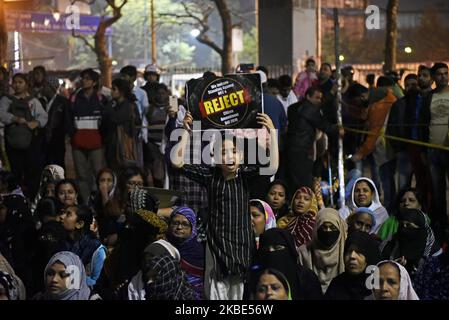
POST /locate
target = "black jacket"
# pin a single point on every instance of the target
(303, 120)
(55, 129)
(348, 287)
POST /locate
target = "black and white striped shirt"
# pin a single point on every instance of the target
(229, 233)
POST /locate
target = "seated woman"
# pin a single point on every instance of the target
(82, 242)
(408, 198)
(364, 194)
(277, 251)
(413, 243)
(272, 285)
(67, 192)
(182, 233)
(106, 184)
(277, 198)
(301, 220)
(361, 220)
(9, 287)
(394, 283)
(115, 209)
(262, 217)
(163, 279)
(324, 255)
(51, 175)
(65, 279)
(361, 251)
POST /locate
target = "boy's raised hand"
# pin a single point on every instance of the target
(264, 120)
(188, 121)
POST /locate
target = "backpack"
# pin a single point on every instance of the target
(19, 136)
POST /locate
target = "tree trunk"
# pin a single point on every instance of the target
(392, 35)
(226, 21)
(3, 35)
(104, 60)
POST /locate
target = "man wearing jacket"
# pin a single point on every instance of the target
(304, 119)
(84, 120)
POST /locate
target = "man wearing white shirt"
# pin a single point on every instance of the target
(286, 95)
(129, 73)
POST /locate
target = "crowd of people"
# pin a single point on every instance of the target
(231, 233)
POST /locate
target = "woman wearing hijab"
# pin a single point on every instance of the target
(393, 283)
(16, 282)
(324, 255)
(8, 287)
(51, 175)
(262, 217)
(362, 219)
(182, 233)
(65, 278)
(413, 243)
(431, 282)
(277, 198)
(408, 198)
(277, 251)
(165, 280)
(142, 227)
(106, 184)
(272, 285)
(361, 251)
(301, 220)
(364, 194)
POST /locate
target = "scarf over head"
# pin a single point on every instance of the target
(77, 279)
(284, 260)
(190, 249)
(363, 243)
(327, 263)
(380, 213)
(301, 225)
(406, 291)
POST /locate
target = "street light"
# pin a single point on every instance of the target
(195, 33)
(408, 50)
(341, 57)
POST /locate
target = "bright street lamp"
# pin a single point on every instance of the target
(408, 50)
(341, 58)
(195, 33)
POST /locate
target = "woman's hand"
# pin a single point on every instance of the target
(32, 124)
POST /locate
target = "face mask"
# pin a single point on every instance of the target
(328, 238)
(412, 242)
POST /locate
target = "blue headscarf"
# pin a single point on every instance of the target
(190, 249)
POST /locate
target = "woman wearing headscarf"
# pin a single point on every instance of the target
(106, 184)
(431, 282)
(8, 287)
(301, 220)
(65, 279)
(165, 280)
(51, 175)
(361, 251)
(413, 243)
(19, 288)
(277, 198)
(324, 254)
(364, 194)
(393, 283)
(182, 233)
(262, 217)
(272, 285)
(408, 198)
(362, 219)
(277, 251)
(142, 227)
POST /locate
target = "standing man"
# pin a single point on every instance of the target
(83, 126)
(286, 95)
(435, 117)
(129, 73)
(151, 75)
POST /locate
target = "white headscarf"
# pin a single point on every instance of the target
(380, 213)
(406, 291)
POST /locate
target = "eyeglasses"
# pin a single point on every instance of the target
(134, 184)
(183, 224)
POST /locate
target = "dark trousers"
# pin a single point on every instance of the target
(55, 153)
(299, 171)
(26, 165)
